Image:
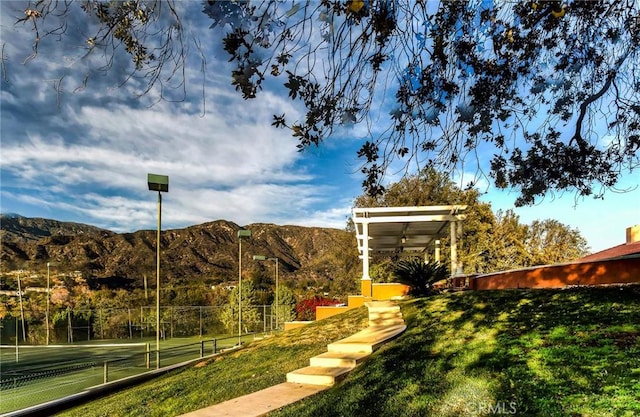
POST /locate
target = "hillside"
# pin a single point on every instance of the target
(16, 227)
(202, 253)
(573, 352)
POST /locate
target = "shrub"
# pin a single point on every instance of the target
(420, 275)
(306, 309)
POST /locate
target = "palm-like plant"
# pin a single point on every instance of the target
(419, 275)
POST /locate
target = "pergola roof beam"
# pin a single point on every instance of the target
(412, 219)
(421, 209)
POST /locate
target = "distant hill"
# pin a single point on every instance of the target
(15, 226)
(309, 256)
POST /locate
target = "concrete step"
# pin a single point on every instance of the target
(390, 313)
(384, 313)
(385, 323)
(383, 316)
(338, 359)
(376, 309)
(367, 340)
(381, 303)
(318, 375)
(393, 321)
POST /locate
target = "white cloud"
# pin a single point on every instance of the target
(335, 217)
(125, 213)
(224, 165)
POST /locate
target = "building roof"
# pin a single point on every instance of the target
(614, 252)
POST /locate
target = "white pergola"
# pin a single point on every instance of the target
(408, 229)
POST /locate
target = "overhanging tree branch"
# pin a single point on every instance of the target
(584, 106)
(442, 81)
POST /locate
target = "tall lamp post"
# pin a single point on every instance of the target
(159, 183)
(24, 334)
(241, 233)
(48, 299)
(264, 258)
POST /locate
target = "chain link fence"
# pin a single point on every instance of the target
(74, 326)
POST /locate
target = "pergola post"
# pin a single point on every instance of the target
(437, 252)
(453, 248)
(459, 269)
(366, 279)
(456, 242)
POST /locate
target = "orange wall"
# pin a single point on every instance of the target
(612, 271)
(354, 301)
(387, 291)
(322, 312)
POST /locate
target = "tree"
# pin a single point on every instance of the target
(110, 316)
(262, 283)
(508, 237)
(547, 90)
(286, 309)
(250, 315)
(551, 242)
(382, 270)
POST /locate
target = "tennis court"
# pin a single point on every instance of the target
(33, 375)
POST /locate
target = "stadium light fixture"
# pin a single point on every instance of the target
(159, 183)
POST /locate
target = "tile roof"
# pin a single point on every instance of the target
(614, 252)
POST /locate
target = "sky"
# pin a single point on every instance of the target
(83, 154)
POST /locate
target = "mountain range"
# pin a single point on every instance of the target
(308, 256)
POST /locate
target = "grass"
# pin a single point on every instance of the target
(573, 352)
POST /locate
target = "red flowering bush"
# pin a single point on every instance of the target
(306, 309)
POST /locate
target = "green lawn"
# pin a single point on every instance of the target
(573, 352)
(532, 353)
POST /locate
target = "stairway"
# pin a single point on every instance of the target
(385, 323)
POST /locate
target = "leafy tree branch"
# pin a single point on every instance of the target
(527, 87)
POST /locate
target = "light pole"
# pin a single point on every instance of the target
(159, 183)
(47, 312)
(241, 233)
(264, 258)
(24, 334)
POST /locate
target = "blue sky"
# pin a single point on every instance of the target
(83, 154)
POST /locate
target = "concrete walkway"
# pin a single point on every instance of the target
(261, 402)
(385, 323)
